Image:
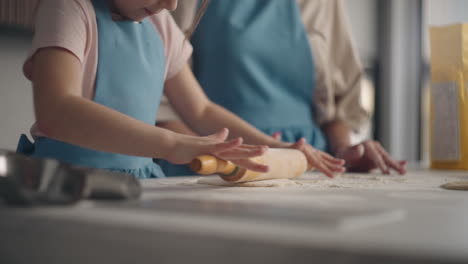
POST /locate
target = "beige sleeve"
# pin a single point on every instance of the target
(183, 16)
(339, 71)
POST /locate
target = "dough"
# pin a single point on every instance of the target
(216, 181)
(461, 186)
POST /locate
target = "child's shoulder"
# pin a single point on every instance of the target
(163, 18)
(65, 3)
(67, 24)
(165, 23)
(71, 7)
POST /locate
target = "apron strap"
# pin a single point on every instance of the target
(25, 146)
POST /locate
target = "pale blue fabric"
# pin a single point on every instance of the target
(254, 58)
(130, 79)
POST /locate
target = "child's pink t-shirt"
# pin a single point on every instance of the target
(71, 25)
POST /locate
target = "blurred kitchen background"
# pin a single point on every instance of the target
(391, 36)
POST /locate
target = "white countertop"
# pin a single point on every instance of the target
(356, 217)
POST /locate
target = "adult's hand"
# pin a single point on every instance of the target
(369, 155)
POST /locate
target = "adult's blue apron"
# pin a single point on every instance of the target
(130, 79)
(253, 57)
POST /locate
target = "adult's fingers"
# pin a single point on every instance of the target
(392, 163)
(353, 155)
(376, 157)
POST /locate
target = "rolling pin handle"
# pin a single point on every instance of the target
(204, 165)
(208, 165)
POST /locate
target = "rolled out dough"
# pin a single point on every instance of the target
(266, 183)
(460, 186)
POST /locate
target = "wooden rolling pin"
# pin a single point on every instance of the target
(283, 164)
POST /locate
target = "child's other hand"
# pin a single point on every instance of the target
(320, 160)
(216, 145)
(370, 155)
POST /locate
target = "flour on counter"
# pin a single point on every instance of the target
(310, 180)
(349, 181)
(414, 180)
(216, 181)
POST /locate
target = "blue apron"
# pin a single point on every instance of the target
(253, 57)
(130, 79)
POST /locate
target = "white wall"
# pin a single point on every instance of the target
(446, 11)
(16, 109)
(438, 13)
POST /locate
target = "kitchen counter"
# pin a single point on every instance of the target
(356, 218)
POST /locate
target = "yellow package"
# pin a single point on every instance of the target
(449, 107)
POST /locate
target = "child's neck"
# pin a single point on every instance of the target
(114, 11)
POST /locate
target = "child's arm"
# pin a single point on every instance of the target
(176, 126)
(204, 117)
(63, 114)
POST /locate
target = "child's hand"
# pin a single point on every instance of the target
(190, 147)
(320, 160)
